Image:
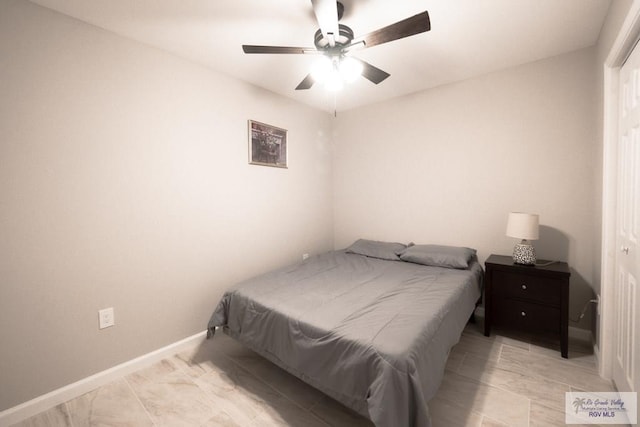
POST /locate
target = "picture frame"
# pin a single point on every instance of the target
(267, 145)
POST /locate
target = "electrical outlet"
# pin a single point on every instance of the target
(106, 318)
(305, 256)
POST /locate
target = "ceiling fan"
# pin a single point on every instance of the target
(334, 41)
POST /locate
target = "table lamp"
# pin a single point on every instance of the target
(523, 226)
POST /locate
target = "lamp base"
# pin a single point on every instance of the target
(524, 253)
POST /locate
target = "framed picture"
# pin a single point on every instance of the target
(267, 145)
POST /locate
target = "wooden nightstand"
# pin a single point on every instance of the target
(527, 298)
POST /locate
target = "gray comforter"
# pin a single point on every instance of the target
(373, 334)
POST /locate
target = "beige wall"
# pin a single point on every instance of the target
(447, 165)
(124, 183)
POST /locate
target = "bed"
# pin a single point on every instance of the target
(370, 326)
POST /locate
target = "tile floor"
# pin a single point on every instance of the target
(497, 381)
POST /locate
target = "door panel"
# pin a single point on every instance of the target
(627, 261)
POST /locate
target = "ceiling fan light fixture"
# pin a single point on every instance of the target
(350, 69)
(335, 71)
(321, 69)
(334, 81)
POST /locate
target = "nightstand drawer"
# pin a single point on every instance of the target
(525, 287)
(527, 316)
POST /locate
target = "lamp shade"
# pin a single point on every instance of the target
(523, 226)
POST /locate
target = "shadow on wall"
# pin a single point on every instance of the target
(553, 245)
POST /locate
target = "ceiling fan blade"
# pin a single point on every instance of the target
(247, 48)
(326, 12)
(306, 83)
(408, 27)
(371, 73)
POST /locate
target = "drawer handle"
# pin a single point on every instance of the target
(523, 314)
(524, 287)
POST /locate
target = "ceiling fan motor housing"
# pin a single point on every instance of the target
(343, 39)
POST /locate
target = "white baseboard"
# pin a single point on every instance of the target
(596, 354)
(581, 334)
(56, 397)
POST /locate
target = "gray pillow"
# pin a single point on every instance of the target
(439, 256)
(375, 249)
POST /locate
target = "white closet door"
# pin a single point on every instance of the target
(627, 261)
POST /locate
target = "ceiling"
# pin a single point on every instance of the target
(467, 38)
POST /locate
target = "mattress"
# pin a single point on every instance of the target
(373, 334)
